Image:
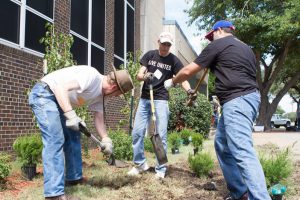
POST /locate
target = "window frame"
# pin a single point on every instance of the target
(23, 9)
(88, 40)
(124, 60)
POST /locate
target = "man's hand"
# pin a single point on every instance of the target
(168, 84)
(108, 147)
(73, 121)
(192, 94)
(148, 76)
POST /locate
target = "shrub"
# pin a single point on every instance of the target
(197, 140)
(122, 144)
(174, 140)
(277, 167)
(196, 118)
(29, 149)
(185, 135)
(148, 145)
(5, 166)
(201, 164)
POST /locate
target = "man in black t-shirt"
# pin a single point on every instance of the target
(156, 67)
(234, 64)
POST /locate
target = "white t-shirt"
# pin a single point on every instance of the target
(90, 82)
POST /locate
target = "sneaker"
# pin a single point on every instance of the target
(138, 169)
(244, 197)
(160, 175)
(62, 197)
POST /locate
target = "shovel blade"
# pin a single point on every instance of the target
(159, 149)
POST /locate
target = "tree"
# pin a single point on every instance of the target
(272, 29)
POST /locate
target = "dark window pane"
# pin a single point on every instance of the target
(9, 21)
(119, 28)
(118, 63)
(98, 22)
(80, 51)
(130, 30)
(97, 59)
(79, 17)
(131, 2)
(34, 31)
(43, 6)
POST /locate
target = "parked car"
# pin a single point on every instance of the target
(277, 120)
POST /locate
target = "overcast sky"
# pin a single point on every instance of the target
(175, 11)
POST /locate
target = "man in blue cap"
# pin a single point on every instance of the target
(234, 64)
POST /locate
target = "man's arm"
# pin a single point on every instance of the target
(99, 124)
(186, 73)
(141, 73)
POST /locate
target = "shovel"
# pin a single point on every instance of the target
(155, 138)
(111, 160)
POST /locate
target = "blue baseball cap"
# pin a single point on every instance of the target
(217, 25)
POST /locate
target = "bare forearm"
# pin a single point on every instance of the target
(186, 73)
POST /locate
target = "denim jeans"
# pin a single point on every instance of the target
(61, 146)
(142, 117)
(234, 147)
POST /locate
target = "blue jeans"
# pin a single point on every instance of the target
(234, 147)
(62, 148)
(142, 117)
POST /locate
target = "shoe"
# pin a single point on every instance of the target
(138, 169)
(62, 197)
(83, 180)
(159, 175)
(243, 197)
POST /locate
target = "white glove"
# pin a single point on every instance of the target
(108, 147)
(73, 121)
(168, 84)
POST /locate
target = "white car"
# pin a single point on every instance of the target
(277, 121)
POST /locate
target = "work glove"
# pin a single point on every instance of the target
(148, 76)
(169, 84)
(73, 121)
(108, 146)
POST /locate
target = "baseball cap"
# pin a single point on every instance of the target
(166, 37)
(217, 25)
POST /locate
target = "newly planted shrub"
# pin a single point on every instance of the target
(277, 167)
(122, 144)
(174, 140)
(5, 166)
(202, 163)
(197, 141)
(185, 135)
(29, 149)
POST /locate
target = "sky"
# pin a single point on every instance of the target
(175, 11)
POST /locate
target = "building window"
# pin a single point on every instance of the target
(123, 30)
(23, 23)
(88, 30)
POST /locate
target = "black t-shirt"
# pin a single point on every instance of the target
(163, 68)
(234, 64)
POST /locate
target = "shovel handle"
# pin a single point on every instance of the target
(152, 103)
(86, 132)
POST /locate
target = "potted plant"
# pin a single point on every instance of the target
(29, 151)
(174, 141)
(185, 136)
(197, 141)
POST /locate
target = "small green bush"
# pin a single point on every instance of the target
(197, 140)
(185, 135)
(148, 145)
(195, 117)
(29, 149)
(174, 139)
(277, 167)
(5, 166)
(202, 163)
(122, 144)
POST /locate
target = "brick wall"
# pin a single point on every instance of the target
(17, 69)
